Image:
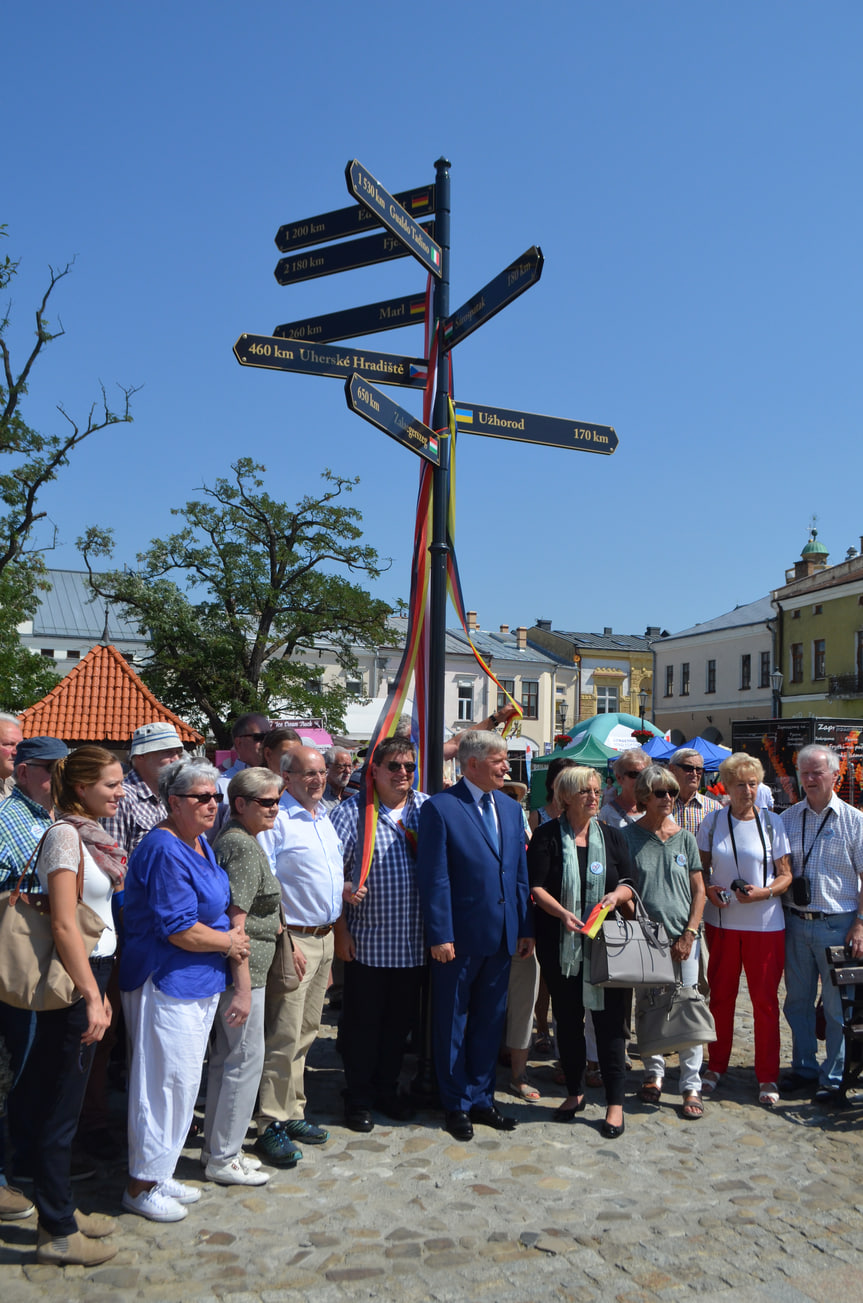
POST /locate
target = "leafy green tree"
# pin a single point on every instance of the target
(257, 582)
(29, 460)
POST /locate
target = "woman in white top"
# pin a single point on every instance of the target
(744, 852)
(85, 786)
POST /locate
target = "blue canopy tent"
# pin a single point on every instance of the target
(713, 755)
(659, 749)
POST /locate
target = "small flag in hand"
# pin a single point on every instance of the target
(594, 921)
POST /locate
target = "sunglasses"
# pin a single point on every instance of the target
(407, 765)
(631, 773)
(266, 801)
(258, 737)
(203, 798)
(661, 792)
(691, 769)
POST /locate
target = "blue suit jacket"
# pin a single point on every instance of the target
(472, 894)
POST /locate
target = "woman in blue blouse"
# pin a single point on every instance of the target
(178, 940)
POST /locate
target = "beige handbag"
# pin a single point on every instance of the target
(282, 977)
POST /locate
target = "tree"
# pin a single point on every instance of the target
(30, 461)
(261, 584)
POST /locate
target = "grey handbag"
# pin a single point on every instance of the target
(631, 952)
(672, 1018)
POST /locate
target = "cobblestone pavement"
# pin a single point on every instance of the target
(745, 1205)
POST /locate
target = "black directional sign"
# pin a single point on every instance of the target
(367, 320)
(323, 360)
(342, 257)
(389, 211)
(514, 280)
(354, 220)
(369, 402)
(529, 427)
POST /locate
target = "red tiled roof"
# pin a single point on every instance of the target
(102, 700)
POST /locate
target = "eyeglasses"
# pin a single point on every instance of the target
(407, 765)
(259, 737)
(691, 769)
(342, 768)
(266, 801)
(661, 792)
(630, 773)
(203, 798)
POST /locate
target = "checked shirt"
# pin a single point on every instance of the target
(386, 925)
(22, 823)
(138, 812)
(834, 856)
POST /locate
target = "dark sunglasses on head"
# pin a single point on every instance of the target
(661, 792)
(691, 769)
(201, 797)
(266, 801)
(407, 765)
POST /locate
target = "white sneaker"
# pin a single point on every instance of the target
(176, 1190)
(250, 1163)
(155, 1205)
(234, 1172)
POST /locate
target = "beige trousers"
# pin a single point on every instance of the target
(291, 1023)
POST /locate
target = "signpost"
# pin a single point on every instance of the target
(512, 281)
(367, 320)
(311, 359)
(341, 257)
(530, 427)
(370, 403)
(363, 186)
(354, 220)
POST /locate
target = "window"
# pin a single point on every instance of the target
(797, 662)
(465, 701)
(745, 672)
(669, 680)
(764, 677)
(711, 677)
(819, 659)
(509, 686)
(606, 701)
(46, 651)
(73, 656)
(817, 608)
(530, 698)
(684, 679)
(354, 687)
(795, 615)
(313, 685)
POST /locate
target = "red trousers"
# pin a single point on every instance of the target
(761, 956)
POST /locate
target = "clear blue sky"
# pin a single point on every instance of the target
(691, 172)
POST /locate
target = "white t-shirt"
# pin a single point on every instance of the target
(760, 916)
(60, 851)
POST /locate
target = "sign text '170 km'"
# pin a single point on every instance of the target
(530, 427)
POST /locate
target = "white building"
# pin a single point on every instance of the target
(70, 620)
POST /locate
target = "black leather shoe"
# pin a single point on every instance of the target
(359, 1119)
(458, 1124)
(398, 1107)
(610, 1131)
(492, 1117)
(830, 1097)
(568, 1114)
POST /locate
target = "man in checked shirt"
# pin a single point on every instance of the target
(381, 940)
(825, 908)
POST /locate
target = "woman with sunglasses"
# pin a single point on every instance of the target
(237, 1045)
(178, 940)
(668, 870)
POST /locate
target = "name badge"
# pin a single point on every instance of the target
(596, 868)
(681, 860)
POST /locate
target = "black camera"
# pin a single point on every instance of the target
(801, 892)
(739, 884)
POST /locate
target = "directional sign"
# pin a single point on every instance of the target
(367, 320)
(529, 427)
(370, 403)
(518, 277)
(348, 221)
(342, 257)
(322, 360)
(389, 211)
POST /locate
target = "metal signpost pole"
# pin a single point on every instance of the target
(440, 421)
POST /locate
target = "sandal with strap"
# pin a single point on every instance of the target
(693, 1106)
(524, 1090)
(768, 1094)
(651, 1092)
(709, 1081)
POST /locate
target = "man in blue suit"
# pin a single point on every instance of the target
(472, 877)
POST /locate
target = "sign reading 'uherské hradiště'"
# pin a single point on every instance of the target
(365, 320)
(355, 220)
(323, 360)
(363, 186)
(530, 427)
(375, 407)
(512, 281)
(341, 257)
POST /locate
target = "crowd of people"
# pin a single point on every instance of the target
(234, 899)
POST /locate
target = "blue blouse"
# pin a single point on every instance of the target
(168, 888)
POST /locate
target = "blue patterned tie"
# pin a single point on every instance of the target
(487, 807)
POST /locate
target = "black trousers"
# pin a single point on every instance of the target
(378, 1009)
(608, 1023)
(56, 1076)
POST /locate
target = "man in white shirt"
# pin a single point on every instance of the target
(306, 856)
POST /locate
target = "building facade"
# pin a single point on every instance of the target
(609, 671)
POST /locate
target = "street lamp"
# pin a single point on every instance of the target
(642, 702)
(776, 679)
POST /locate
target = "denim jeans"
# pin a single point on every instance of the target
(690, 1060)
(805, 944)
(17, 1029)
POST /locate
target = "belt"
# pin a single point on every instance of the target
(311, 931)
(810, 914)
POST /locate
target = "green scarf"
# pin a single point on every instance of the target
(575, 948)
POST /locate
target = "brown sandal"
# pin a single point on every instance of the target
(651, 1092)
(693, 1106)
